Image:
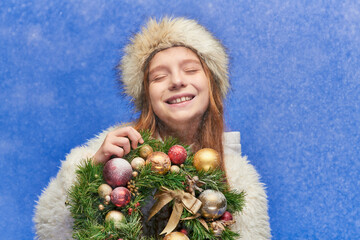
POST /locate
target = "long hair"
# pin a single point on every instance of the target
(210, 131)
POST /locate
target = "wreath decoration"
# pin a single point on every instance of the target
(108, 204)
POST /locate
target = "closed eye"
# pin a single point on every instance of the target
(191, 70)
(158, 77)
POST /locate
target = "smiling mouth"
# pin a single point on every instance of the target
(179, 100)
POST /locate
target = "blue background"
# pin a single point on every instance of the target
(295, 74)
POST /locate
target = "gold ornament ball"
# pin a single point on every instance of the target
(160, 162)
(101, 207)
(213, 204)
(176, 236)
(107, 198)
(137, 163)
(115, 216)
(104, 190)
(145, 151)
(135, 173)
(174, 169)
(206, 158)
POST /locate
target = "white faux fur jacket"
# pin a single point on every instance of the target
(53, 220)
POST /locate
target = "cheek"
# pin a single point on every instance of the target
(155, 97)
(204, 88)
(153, 93)
(206, 101)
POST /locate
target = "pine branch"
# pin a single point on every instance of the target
(89, 221)
(235, 201)
(227, 234)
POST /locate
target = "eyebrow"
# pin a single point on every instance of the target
(190, 61)
(186, 61)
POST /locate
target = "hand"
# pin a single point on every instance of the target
(117, 143)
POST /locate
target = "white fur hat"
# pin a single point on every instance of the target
(166, 33)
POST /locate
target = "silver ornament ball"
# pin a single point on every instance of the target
(213, 204)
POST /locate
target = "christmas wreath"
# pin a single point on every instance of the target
(112, 201)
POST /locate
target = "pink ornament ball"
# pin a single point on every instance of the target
(117, 172)
(120, 196)
(177, 154)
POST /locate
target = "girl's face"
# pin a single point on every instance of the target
(178, 87)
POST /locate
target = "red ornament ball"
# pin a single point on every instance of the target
(120, 196)
(177, 154)
(130, 210)
(226, 216)
(184, 231)
(117, 172)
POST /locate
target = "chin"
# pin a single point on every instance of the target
(183, 119)
(177, 118)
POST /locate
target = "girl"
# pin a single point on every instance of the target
(176, 73)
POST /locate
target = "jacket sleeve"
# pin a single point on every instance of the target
(52, 216)
(253, 221)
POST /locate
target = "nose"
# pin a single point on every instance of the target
(177, 81)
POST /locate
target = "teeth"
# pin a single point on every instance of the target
(179, 100)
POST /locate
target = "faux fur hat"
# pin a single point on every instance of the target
(166, 33)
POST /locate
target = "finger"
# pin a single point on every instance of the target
(122, 142)
(135, 138)
(116, 150)
(132, 134)
(108, 151)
